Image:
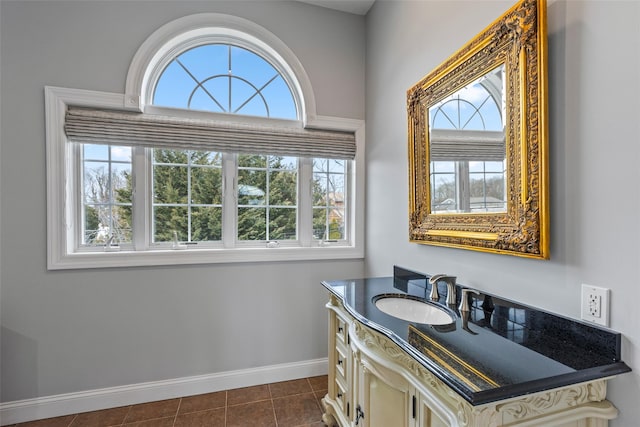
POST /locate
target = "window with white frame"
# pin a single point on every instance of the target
(216, 162)
(468, 163)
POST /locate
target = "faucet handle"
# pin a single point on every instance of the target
(464, 299)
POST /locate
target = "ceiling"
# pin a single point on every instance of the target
(359, 7)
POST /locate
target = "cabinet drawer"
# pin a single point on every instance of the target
(341, 364)
(341, 329)
(341, 397)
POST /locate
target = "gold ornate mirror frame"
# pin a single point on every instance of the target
(518, 40)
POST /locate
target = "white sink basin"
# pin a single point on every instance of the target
(413, 310)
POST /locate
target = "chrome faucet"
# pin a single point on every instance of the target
(451, 287)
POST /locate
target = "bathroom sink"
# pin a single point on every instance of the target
(413, 310)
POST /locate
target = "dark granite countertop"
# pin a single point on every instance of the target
(499, 349)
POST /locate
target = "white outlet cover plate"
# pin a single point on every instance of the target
(585, 314)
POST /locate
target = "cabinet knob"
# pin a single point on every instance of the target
(339, 361)
(340, 329)
(339, 395)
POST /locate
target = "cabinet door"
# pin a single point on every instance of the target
(428, 415)
(384, 397)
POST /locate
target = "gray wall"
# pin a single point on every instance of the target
(594, 104)
(68, 331)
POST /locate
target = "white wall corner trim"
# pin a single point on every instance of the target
(112, 397)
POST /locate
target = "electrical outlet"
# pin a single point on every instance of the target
(595, 304)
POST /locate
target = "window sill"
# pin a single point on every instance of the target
(81, 260)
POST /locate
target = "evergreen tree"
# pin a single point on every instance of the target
(263, 192)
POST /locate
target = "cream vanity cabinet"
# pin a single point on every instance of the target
(373, 382)
(368, 389)
(386, 398)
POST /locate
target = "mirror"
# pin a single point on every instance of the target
(478, 168)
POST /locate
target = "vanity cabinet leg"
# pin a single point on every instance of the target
(327, 417)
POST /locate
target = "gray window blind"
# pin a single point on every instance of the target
(94, 126)
(463, 145)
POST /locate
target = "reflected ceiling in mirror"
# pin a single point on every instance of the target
(478, 174)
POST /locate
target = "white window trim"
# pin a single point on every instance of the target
(61, 200)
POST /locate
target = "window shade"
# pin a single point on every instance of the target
(463, 145)
(93, 126)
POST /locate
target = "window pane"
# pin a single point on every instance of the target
(320, 165)
(170, 157)
(320, 223)
(320, 189)
(336, 224)
(252, 161)
(328, 224)
(94, 230)
(170, 184)
(213, 96)
(249, 66)
(206, 224)
(121, 223)
(272, 182)
(443, 166)
(210, 158)
(168, 219)
(443, 192)
(280, 100)
(205, 61)
(283, 188)
(337, 166)
(96, 182)
(282, 224)
(289, 163)
(107, 190)
(476, 167)
(121, 154)
(252, 186)
(121, 188)
(206, 186)
(336, 189)
(187, 195)
(246, 100)
(95, 152)
(495, 166)
(329, 193)
(252, 224)
(173, 88)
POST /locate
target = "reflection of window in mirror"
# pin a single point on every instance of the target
(467, 148)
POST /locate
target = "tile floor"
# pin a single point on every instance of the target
(293, 403)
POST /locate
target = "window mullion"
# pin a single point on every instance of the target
(305, 202)
(142, 198)
(75, 196)
(229, 200)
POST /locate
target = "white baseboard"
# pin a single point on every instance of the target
(92, 400)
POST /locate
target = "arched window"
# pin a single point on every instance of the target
(216, 150)
(225, 78)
